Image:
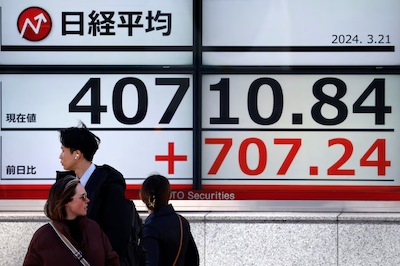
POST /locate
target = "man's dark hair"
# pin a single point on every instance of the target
(80, 138)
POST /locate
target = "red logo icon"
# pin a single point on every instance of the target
(34, 24)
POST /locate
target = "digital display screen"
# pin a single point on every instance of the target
(269, 130)
(144, 122)
(301, 33)
(226, 98)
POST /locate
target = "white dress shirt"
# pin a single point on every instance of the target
(85, 178)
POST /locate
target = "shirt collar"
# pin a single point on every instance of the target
(85, 177)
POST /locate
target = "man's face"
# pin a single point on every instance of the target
(68, 160)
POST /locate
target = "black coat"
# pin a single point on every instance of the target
(161, 238)
(107, 206)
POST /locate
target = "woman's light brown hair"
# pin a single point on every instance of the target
(60, 194)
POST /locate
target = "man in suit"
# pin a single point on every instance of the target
(105, 185)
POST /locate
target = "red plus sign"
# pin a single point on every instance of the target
(171, 158)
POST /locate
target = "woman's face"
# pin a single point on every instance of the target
(78, 205)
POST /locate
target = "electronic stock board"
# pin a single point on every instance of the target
(245, 99)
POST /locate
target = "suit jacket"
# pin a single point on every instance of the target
(107, 206)
(161, 239)
(46, 248)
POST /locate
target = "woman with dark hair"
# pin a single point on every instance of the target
(69, 231)
(166, 238)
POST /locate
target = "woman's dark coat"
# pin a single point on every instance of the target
(46, 248)
(161, 238)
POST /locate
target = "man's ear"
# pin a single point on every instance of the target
(78, 154)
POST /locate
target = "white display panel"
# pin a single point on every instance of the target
(32, 157)
(338, 130)
(49, 99)
(307, 32)
(120, 32)
(150, 131)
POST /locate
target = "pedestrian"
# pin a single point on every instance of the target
(67, 207)
(105, 185)
(167, 239)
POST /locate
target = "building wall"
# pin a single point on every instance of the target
(257, 238)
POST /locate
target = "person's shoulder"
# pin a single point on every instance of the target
(162, 215)
(44, 228)
(185, 221)
(113, 175)
(43, 232)
(182, 217)
(109, 169)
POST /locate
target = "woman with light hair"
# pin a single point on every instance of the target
(70, 238)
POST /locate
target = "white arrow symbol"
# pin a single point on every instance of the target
(36, 29)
